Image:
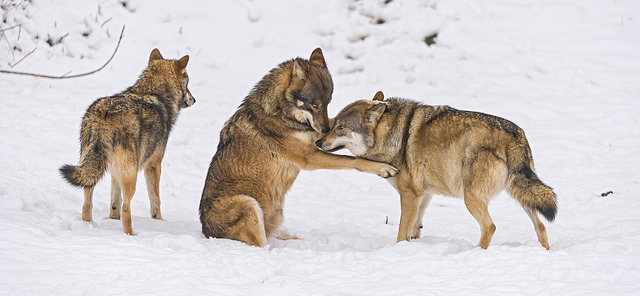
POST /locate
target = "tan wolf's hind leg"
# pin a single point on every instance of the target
(541, 230)
(116, 199)
(128, 184)
(478, 209)
(152, 177)
(483, 177)
(87, 207)
(250, 227)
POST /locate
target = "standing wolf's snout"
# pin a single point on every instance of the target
(319, 142)
(188, 100)
(324, 131)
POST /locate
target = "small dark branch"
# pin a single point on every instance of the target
(606, 193)
(431, 39)
(71, 76)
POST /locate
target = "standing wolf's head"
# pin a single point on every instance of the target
(167, 78)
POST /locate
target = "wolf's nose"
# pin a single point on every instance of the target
(325, 130)
(319, 143)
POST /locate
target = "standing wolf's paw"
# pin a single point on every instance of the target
(386, 170)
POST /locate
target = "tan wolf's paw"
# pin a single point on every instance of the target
(386, 170)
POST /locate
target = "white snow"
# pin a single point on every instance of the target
(566, 71)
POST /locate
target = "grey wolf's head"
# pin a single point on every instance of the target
(354, 126)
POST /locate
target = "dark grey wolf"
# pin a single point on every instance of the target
(128, 132)
(264, 145)
(441, 150)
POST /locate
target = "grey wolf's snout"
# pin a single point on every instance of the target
(319, 142)
(324, 131)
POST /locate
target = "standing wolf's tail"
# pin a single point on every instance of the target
(93, 164)
(525, 186)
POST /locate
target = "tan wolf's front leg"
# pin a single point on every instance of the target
(409, 207)
(381, 169)
(322, 160)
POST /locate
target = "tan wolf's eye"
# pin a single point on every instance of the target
(315, 106)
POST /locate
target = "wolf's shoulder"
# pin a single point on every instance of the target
(123, 103)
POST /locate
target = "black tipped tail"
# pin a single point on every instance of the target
(92, 167)
(79, 176)
(532, 193)
(549, 213)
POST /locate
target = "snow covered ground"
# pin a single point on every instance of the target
(567, 72)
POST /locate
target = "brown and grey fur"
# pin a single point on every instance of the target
(442, 150)
(128, 132)
(264, 145)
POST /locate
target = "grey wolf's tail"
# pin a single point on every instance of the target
(525, 186)
(91, 169)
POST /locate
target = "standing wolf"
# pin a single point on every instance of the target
(441, 150)
(264, 145)
(128, 132)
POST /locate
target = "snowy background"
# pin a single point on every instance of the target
(567, 72)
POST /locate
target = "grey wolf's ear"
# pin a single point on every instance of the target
(182, 63)
(155, 55)
(375, 112)
(379, 96)
(297, 72)
(317, 58)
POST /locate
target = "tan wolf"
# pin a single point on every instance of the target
(441, 150)
(264, 145)
(128, 132)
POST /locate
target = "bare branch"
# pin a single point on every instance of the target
(24, 57)
(72, 76)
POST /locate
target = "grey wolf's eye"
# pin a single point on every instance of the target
(339, 127)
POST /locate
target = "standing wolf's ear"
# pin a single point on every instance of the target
(375, 112)
(182, 63)
(155, 55)
(379, 96)
(317, 58)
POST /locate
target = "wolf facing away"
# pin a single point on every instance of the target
(442, 150)
(128, 132)
(264, 145)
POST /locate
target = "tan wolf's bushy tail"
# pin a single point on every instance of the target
(92, 166)
(525, 186)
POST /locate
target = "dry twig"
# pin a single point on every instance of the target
(72, 76)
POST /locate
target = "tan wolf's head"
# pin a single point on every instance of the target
(309, 92)
(164, 76)
(354, 126)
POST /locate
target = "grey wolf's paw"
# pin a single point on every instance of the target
(387, 171)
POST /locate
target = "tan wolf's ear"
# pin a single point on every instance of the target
(155, 55)
(297, 73)
(182, 63)
(375, 112)
(317, 58)
(379, 96)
